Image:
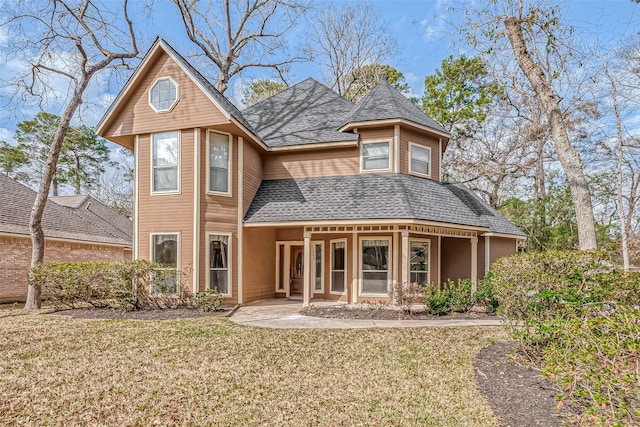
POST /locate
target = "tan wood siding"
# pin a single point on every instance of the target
(259, 260)
(167, 213)
(284, 234)
(194, 108)
(456, 258)
(501, 247)
(481, 259)
(219, 214)
(252, 174)
(311, 164)
(407, 136)
(383, 133)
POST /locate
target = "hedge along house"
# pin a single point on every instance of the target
(76, 228)
(304, 193)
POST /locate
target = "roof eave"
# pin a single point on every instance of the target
(371, 221)
(316, 145)
(353, 125)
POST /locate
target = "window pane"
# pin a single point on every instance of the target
(219, 162)
(218, 251)
(218, 280)
(419, 277)
(165, 161)
(420, 159)
(337, 281)
(375, 156)
(374, 282)
(163, 94)
(281, 268)
(337, 257)
(318, 274)
(375, 254)
(165, 179)
(165, 249)
(165, 282)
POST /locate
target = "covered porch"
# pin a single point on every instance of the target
(359, 262)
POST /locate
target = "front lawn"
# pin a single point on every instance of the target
(56, 370)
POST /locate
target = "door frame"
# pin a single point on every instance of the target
(286, 268)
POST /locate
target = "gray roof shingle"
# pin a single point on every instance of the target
(305, 113)
(81, 218)
(372, 196)
(384, 102)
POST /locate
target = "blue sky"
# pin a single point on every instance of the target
(422, 29)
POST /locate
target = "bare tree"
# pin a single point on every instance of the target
(542, 84)
(345, 39)
(70, 42)
(238, 34)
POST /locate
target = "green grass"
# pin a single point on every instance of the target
(60, 371)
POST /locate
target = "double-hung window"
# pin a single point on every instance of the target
(420, 159)
(165, 152)
(375, 156)
(164, 251)
(375, 266)
(419, 262)
(219, 163)
(219, 263)
(338, 272)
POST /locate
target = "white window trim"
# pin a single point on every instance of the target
(360, 288)
(331, 242)
(388, 169)
(428, 242)
(207, 251)
(411, 171)
(228, 193)
(178, 254)
(179, 171)
(315, 243)
(168, 110)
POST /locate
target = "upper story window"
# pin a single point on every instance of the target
(375, 156)
(419, 160)
(165, 152)
(219, 163)
(163, 95)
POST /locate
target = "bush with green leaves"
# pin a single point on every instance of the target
(208, 300)
(132, 284)
(485, 295)
(579, 316)
(450, 296)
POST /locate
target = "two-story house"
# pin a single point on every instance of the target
(303, 193)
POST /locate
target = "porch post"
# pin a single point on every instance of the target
(404, 272)
(487, 254)
(474, 264)
(306, 282)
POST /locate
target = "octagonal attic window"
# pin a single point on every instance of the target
(163, 95)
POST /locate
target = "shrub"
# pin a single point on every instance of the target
(579, 317)
(124, 284)
(406, 294)
(460, 295)
(438, 302)
(485, 295)
(208, 300)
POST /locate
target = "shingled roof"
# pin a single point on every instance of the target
(305, 113)
(81, 218)
(372, 196)
(384, 102)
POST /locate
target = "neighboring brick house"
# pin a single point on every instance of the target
(76, 228)
(303, 193)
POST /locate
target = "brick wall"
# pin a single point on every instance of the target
(15, 257)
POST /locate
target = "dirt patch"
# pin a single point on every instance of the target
(351, 311)
(517, 393)
(167, 314)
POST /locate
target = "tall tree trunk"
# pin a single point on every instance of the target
(35, 220)
(55, 185)
(624, 229)
(77, 176)
(568, 156)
